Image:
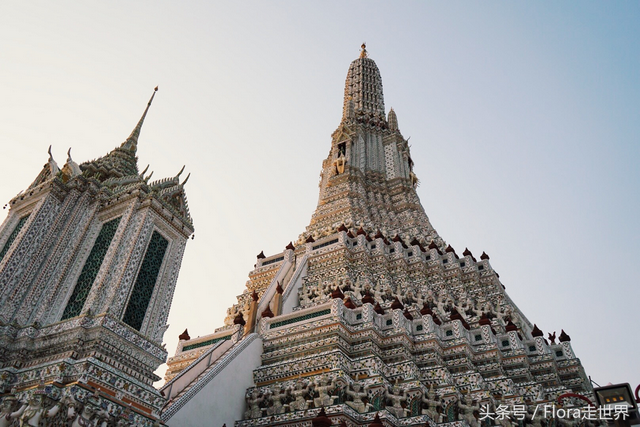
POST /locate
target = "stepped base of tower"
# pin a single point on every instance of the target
(343, 413)
(360, 325)
(86, 356)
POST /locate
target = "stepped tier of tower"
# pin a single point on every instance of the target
(326, 355)
(462, 336)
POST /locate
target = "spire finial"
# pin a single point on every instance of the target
(363, 52)
(132, 142)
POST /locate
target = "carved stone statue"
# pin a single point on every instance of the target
(396, 396)
(467, 408)
(409, 299)
(254, 399)
(35, 410)
(357, 395)
(91, 415)
(299, 393)
(278, 398)
(432, 405)
(323, 398)
(7, 413)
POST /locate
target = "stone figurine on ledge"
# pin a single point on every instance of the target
(396, 397)
(467, 409)
(36, 411)
(432, 405)
(357, 395)
(8, 412)
(91, 415)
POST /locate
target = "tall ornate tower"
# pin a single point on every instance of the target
(89, 258)
(370, 314)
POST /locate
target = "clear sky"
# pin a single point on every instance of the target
(524, 120)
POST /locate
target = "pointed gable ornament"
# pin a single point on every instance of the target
(396, 304)
(349, 304)
(239, 319)
(536, 332)
(378, 309)
(376, 422)
(267, 312)
(425, 310)
(367, 298)
(321, 420)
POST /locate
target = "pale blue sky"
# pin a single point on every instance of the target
(523, 117)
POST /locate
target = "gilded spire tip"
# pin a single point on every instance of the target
(363, 52)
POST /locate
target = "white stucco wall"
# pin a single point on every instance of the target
(222, 399)
(291, 299)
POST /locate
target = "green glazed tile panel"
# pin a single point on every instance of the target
(146, 281)
(90, 269)
(13, 236)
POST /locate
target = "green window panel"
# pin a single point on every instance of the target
(145, 282)
(299, 319)
(13, 236)
(90, 269)
(205, 343)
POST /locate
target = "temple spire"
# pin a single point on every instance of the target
(363, 97)
(132, 142)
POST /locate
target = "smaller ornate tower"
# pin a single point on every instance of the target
(89, 259)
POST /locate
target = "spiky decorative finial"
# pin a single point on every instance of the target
(53, 166)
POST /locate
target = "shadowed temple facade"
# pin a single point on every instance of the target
(368, 319)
